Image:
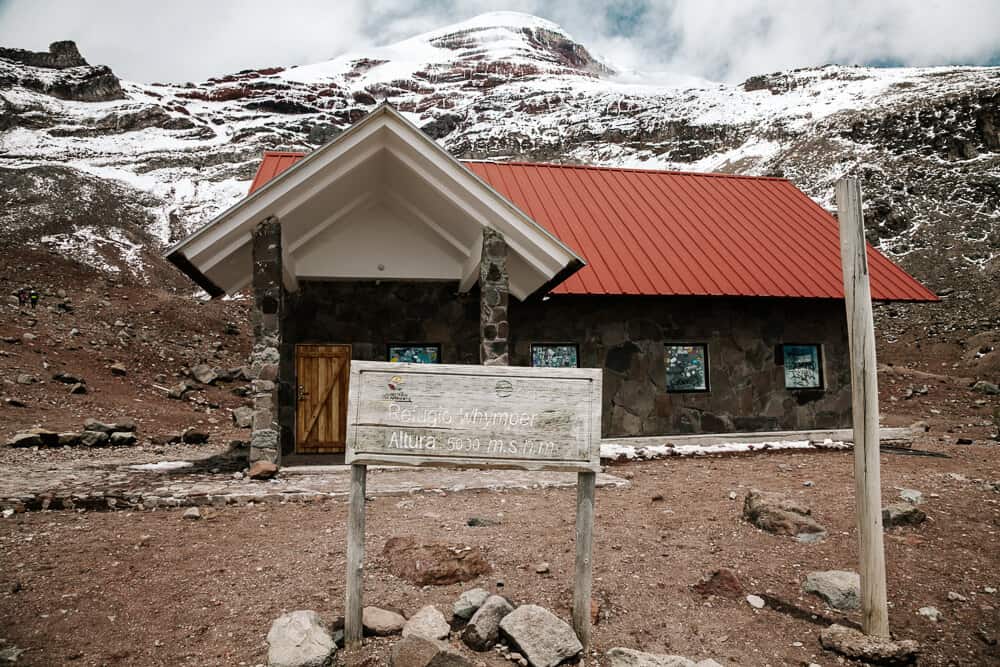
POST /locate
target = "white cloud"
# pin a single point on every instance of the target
(721, 39)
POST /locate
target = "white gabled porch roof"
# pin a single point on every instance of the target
(382, 201)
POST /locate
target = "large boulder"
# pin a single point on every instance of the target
(416, 651)
(626, 657)
(94, 439)
(430, 564)
(468, 602)
(779, 515)
(122, 439)
(428, 622)
(542, 637)
(381, 622)
(299, 639)
(873, 650)
(839, 588)
(483, 629)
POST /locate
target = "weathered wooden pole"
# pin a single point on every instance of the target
(864, 391)
(586, 483)
(355, 558)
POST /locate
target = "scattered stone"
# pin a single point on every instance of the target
(416, 651)
(480, 522)
(69, 439)
(165, 439)
(965, 441)
(299, 639)
(25, 440)
(859, 646)
(78, 388)
(984, 387)
(67, 378)
(902, 514)
(432, 564)
(428, 623)
(545, 639)
(839, 588)
(15, 402)
(178, 391)
(9, 655)
(93, 439)
(25, 378)
(781, 516)
(722, 582)
(204, 374)
(243, 417)
(194, 436)
(626, 657)
(483, 629)
(118, 369)
(911, 496)
(27, 337)
(542, 568)
(122, 439)
(192, 513)
(262, 470)
(755, 601)
(468, 602)
(125, 425)
(989, 590)
(957, 597)
(94, 425)
(808, 483)
(381, 622)
(930, 613)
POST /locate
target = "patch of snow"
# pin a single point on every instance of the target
(619, 452)
(162, 466)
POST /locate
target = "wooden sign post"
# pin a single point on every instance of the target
(473, 417)
(864, 389)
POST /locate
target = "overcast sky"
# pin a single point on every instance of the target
(181, 40)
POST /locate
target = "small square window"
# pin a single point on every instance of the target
(415, 353)
(687, 366)
(803, 366)
(555, 355)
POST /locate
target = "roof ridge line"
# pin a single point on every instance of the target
(676, 172)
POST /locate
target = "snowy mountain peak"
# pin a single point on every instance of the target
(502, 43)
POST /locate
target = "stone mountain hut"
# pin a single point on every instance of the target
(714, 303)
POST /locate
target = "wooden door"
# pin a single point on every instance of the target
(322, 374)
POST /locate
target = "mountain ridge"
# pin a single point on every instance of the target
(923, 141)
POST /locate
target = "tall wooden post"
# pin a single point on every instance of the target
(355, 558)
(586, 483)
(864, 390)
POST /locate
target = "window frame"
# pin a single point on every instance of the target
(820, 362)
(389, 346)
(531, 353)
(708, 379)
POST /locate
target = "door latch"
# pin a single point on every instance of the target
(302, 393)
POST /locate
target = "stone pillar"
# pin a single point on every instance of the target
(268, 293)
(494, 287)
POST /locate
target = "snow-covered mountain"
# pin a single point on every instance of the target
(109, 170)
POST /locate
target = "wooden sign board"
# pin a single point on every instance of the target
(474, 416)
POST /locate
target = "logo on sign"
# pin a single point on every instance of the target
(396, 393)
(504, 388)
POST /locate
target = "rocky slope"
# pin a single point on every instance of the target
(110, 171)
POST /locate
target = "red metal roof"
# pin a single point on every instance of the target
(649, 232)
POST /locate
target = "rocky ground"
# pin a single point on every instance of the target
(152, 588)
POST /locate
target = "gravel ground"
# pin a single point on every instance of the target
(150, 588)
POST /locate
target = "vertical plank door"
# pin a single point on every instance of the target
(322, 373)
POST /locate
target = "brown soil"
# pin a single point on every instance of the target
(151, 588)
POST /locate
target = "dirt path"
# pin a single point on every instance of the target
(149, 588)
